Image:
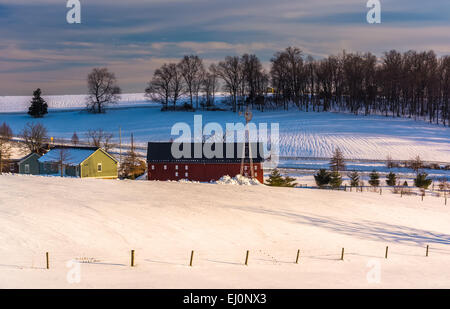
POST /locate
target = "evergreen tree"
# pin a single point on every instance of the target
(405, 184)
(337, 161)
(422, 181)
(322, 178)
(391, 179)
(335, 180)
(354, 179)
(374, 180)
(276, 180)
(38, 106)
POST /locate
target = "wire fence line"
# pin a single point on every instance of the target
(133, 258)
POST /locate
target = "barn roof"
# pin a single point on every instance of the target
(74, 155)
(162, 152)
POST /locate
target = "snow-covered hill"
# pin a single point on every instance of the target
(311, 135)
(99, 222)
(20, 104)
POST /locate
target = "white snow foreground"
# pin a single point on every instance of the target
(89, 227)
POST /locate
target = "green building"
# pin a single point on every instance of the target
(81, 162)
(30, 164)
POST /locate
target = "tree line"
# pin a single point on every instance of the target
(410, 84)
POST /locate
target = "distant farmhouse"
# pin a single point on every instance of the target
(11, 164)
(81, 162)
(29, 164)
(163, 166)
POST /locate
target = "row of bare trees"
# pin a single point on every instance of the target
(241, 77)
(410, 84)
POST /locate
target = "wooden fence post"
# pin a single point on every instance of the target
(132, 258)
(387, 250)
(342, 254)
(47, 259)
(192, 258)
(246, 258)
(298, 256)
(428, 248)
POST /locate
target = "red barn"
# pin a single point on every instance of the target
(163, 165)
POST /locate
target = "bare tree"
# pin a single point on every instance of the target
(159, 88)
(102, 89)
(6, 135)
(75, 140)
(166, 86)
(230, 70)
(34, 136)
(210, 84)
(63, 158)
(192, 70)
(416, 164)
(132, 166)
(99, 138)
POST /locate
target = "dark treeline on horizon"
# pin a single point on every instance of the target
(411, 84)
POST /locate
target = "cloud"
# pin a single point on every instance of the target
(39, 49)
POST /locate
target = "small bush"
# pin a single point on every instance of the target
(322, 178)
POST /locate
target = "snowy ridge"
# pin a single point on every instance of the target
(18, 104)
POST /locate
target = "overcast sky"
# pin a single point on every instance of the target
(39, 49)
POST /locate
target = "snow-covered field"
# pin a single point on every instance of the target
(99, 222)
(301, 134)
(20, 104)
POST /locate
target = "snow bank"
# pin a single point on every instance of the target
(239, 180)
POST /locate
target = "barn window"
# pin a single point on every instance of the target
(153, 167)
(186, 167)
(256, 174)
(186, 175)
(246, 167)
(256, 167)
(176, 167)
(11, 167)
(99, 167)
(165, 167)
(27, 168)
(176, 174)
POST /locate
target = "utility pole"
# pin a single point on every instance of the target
(120, 145)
